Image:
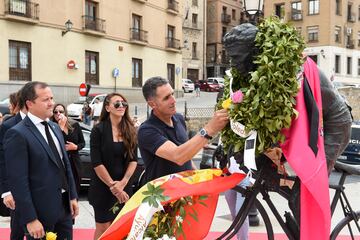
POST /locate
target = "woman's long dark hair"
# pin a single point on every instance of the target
(68, 122)
(126, 126)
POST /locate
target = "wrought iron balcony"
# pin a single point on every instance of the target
(225, 18)
(351, 17)
(172, 43)
(93, 24)
(173, 6)
(350, 44)
(139, 35)
(193, 25)
(22, 8)
(295, 15)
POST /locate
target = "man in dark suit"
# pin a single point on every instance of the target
(38, 169)
(17, 231)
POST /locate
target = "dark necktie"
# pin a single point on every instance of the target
(313, 116)
(54, 150)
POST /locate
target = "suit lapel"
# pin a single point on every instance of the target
(33, 129)
(59, 137)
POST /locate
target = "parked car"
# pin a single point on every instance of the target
(216, 80)
(74, 109)
(4, 106)
(87, 166)
(209, 87)
(351, 155)
(187, 85)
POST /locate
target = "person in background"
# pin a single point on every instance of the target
(1, 118)
(38, 169)
(86, 114)
(13, 109)
(74, 140)
(17, 231)
(163, 141)
(96, 111)
(197, 88)
(113, 145)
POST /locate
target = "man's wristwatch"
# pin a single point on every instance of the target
(205, 134)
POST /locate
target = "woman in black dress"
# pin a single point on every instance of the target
(113, 146)
(74, 140)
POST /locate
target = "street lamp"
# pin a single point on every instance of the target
(253, 9)
(68, 27)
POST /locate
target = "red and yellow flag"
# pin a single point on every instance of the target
(208, 182)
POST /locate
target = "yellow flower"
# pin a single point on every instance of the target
(51, 236)
(226, 104)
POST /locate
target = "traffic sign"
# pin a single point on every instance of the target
(84, 89)
(116, 72)
(71, 64)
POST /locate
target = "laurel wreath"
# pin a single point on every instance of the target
(269, 92)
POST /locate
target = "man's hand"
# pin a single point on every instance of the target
(217, 122)
(9, 202)
(35, 229)
(74, 207)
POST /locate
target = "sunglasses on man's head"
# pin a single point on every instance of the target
(56, 111)
(120, 104)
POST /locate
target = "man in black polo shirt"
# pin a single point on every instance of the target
(163, 140)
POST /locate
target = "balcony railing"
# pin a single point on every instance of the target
(225, 18)
(194, 25)
(172, 43)
(350, 44)
(296, 15)
(351, 18)
(94, 24)
(22, 8)
(173, 5)
(225, 59)
(137, 34)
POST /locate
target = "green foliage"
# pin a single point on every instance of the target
(269, 92)
(170, 221)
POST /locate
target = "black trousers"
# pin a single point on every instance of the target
(17, 231)
(64, 226)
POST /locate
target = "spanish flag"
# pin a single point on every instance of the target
(208, 182)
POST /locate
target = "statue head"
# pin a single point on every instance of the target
(239, 44)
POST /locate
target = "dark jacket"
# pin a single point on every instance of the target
(33, 173)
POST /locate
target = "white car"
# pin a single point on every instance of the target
(187, 85)
(74, 109)
(218, 80)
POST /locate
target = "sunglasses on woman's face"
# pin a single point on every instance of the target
(118, 104)
(56, 111)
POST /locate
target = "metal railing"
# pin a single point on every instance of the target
(225, 18)
(138, 35)
(173, 5)
(350, 44)
(351, 17)
(92, 23)
(296, 15)
(194, 25)
(22, 8)
(172, 43)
